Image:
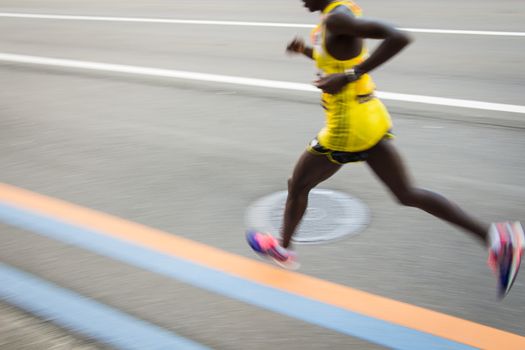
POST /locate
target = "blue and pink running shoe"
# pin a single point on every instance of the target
(267, 246)
(506, 260)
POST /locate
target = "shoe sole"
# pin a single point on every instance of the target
(294, 265)
(518, 244)
(252, 242)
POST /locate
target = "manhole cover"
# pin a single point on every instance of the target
(330, 215)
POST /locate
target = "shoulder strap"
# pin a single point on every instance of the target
(352, 6)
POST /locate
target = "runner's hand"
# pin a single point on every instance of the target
(295, 46)
(333, 83)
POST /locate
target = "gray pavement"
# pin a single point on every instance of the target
(188, 158)
(21, 331)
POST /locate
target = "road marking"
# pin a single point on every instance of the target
(236, 23)
(85, 316)
(462, 32)
(317, 313)
(264, 83)
(343, 309)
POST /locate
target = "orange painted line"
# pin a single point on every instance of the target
(417, 318)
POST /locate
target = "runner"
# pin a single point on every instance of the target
(358, 128)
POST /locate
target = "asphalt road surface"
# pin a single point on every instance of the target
(188, 157)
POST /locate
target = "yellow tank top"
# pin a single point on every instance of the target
(329, 65)
(351, 125)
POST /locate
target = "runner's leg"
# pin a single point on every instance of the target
(387, 164)
(309, 171)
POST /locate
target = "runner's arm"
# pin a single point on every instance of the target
(393, 42)
(297, 45)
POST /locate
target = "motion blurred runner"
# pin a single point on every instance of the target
(358, 128)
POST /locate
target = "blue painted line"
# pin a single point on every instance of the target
(85, 316)
(308, 310)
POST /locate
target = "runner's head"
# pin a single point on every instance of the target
(315, 5)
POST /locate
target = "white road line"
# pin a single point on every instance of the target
(271, 84)
(463, 32)
(154, 20)
(237, 23)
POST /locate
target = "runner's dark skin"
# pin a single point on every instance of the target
(344, 40)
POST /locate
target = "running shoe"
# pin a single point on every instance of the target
(267, 246)
(506, 260)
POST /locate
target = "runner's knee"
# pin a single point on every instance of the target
(408, 197)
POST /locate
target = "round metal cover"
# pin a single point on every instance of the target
(330, 215)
